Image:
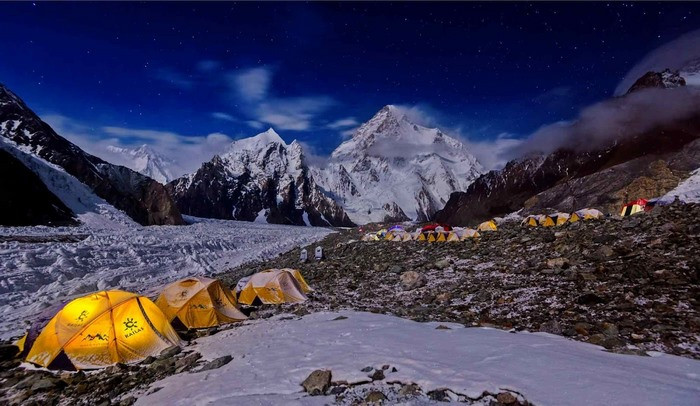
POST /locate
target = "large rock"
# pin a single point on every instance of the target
(317, 382)
(412, 280)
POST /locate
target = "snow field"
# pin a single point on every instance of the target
(35, 276)
(273, 356)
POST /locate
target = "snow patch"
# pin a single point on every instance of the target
(272, 357)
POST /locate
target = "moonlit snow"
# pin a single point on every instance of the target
(34, 276)
(272, 357)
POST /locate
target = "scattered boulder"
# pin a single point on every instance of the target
(375, 398)
(217, 363)
(506, 398)
(317, 382)
(412, 280)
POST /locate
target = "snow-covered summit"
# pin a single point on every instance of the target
(394, 169)
(262, 179)
(144, 160)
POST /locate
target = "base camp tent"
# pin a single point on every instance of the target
(559, 218)
(635, 207)
(487, 226)
(198, 302)
(470, 233)
(101, 329)
(533, 220)
(585, 214)
(272, 286)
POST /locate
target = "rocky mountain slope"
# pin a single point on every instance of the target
(143, 199)
(634, 164)
(145, 161)
(260, 179)
(589, 281)
(26, 200)
(393, 170)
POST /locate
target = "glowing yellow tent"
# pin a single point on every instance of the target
(546, 221)
(101, 329)
(198, 302)
(560, 218)
(453, 236)
(585, 214)
(487, 226)
(272, 286)
(441, 236)
(431, 236)
(532, 221)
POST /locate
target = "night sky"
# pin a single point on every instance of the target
(314, 71)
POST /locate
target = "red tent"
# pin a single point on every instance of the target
(432, 227)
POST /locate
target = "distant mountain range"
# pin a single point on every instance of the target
(390, 169)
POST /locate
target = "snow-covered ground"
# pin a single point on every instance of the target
(272, 357)
(687, 191)
(34, 275)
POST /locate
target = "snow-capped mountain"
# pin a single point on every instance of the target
(260, 179)
(143, 160)
(66, 169)
(393, 169)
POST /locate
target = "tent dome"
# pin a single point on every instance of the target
(198, 302)
(101, 329)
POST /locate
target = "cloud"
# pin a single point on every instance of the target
(251, 88)
(251, 84)
(675, 55)
(599, 124)
(223, 116)
(207, 65)
(187, 152)
(343, 123)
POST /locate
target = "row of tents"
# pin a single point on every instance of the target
(430, 233)
(107, 327)
(558, 219)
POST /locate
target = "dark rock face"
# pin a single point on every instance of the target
(270, 180)
(143, 199)
(663, 80)
(26, 201)
(569, 179)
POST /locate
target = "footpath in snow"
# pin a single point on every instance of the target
(272, 357)
(36, 275)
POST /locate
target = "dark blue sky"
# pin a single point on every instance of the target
(312, 70)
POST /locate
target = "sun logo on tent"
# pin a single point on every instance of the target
(130, 324)
(82, 316)
(183, 293)
(218, 302)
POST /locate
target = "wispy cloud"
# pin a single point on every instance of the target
(251, 84)
(207, 65)
(343, 123)
(252, 90)
(223, 116)
(186, 151)
(674, 55)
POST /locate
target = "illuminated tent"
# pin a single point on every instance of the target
(635, 207)
(454, 235)
(487, 226)
(370, 237)
(198, 302)
(559, 218)
(272, 286)
(546, 221)
(101, 329)
(585, 214)
(533, 220)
